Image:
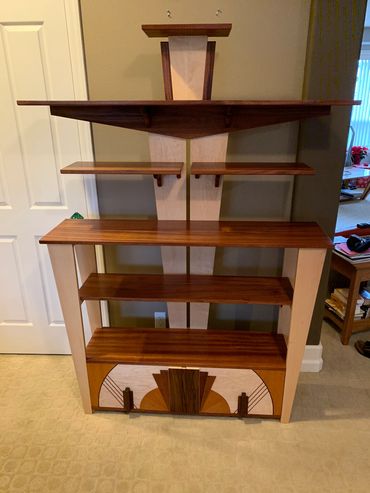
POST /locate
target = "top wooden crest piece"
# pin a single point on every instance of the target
(165, 30)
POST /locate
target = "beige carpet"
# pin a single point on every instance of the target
(48, 445)
(352, 212)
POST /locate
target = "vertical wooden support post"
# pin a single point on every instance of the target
(188, 64)
(86, 262)
(171, 205)
(304, 269)
(186, 57)
(65, 273)
(205, 203)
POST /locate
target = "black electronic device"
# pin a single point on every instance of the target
(358, 243)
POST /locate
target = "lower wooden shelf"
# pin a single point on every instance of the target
(187, 371)
(187, 347)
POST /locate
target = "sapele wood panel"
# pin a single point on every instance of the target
(122, 168)
(183, 288)
(165, 30)
(166, 70)
(262, 234)
(184, 387)
(189, 119)
(187, 347)
(208, 73)
(251, 169)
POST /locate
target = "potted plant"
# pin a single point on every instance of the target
(358, 153)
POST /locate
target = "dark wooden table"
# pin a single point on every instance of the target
(356, 272)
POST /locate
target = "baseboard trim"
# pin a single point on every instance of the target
(312, 358)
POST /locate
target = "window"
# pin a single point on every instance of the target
(360, 118)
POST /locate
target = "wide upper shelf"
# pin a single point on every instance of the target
(190, 119)
(263, 234)
(165, 30)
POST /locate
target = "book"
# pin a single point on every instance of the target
(340, 310)
(334, 307)
(343, 249)
(342, 291)
(339, 302)
(341, 294)
(343, 306)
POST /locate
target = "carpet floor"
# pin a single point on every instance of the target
(47, 443)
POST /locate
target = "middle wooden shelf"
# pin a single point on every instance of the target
(188, 288)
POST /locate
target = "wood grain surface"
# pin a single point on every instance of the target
(122, 168)
(208, 73)
(187, 347)
(189, 119)
(182, 288)
(166, 70)
(184, 387)
(193, 233)
(165, 30)
(251, 169)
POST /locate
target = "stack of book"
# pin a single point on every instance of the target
(343, 250)
(337, 303)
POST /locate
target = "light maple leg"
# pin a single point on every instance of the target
(289, 271)
(65, 272)
(86, 261)
(171, 205)
(307, 274)
(205, 204)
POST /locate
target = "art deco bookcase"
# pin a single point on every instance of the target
(182, 370)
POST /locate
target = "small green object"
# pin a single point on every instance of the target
(77, 215)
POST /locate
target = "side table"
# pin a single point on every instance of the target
(353, 173)
(356, 272)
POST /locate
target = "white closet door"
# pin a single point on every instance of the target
(40, 58)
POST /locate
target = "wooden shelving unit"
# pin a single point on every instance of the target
(181, 370)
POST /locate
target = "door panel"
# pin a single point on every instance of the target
(36, 62)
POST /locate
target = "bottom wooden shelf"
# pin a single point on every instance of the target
(187, 347)
(187, 371)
